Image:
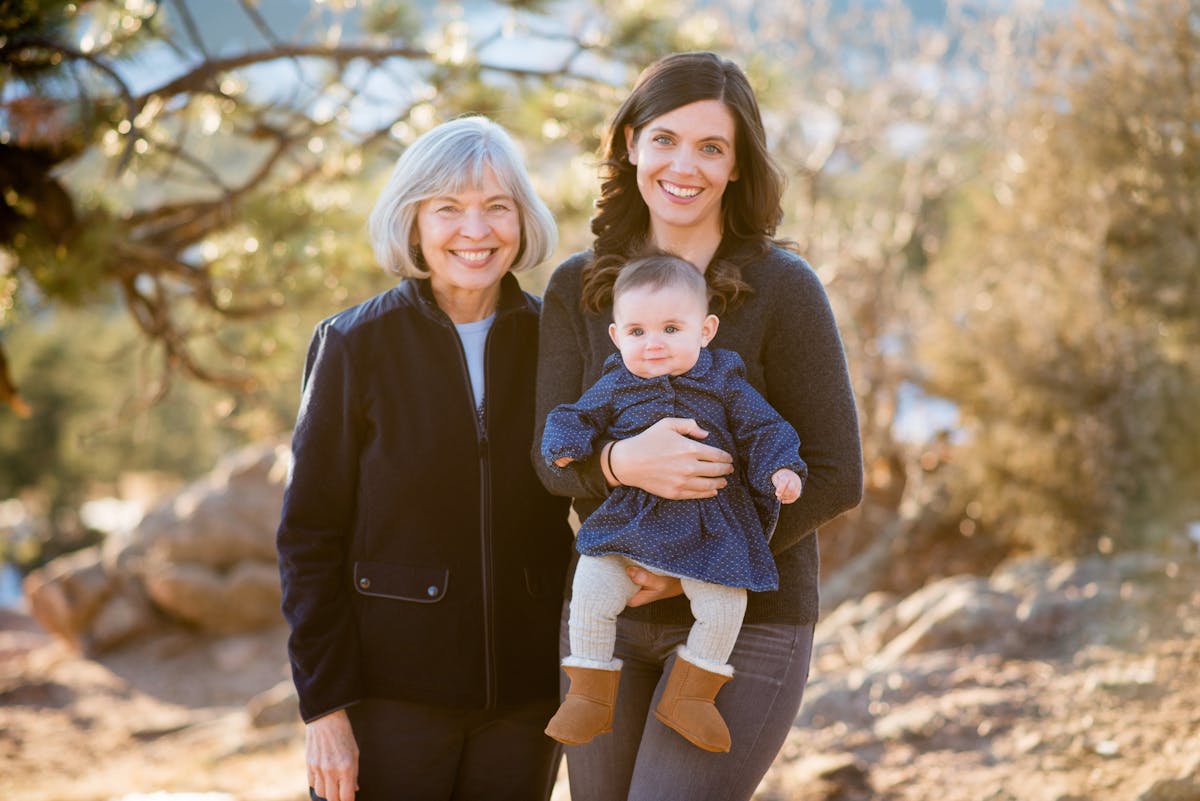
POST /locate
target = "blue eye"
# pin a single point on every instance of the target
(671, 329)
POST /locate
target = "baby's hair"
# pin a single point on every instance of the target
(657, 270)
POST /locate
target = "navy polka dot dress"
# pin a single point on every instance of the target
(722, 540)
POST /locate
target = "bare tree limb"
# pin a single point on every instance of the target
(193, 31)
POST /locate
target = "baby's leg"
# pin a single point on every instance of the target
(718, 611)
(688, 701)
(600, 591)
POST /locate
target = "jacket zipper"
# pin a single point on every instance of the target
(485, 528)
(485, 544)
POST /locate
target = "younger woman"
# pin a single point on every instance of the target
(687, 170)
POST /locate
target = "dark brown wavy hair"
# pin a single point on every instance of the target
(750, 209)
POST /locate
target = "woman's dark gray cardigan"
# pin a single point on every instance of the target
(786, 334)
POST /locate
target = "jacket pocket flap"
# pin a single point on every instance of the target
(426, 585)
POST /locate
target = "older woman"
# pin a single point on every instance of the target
(422, 562)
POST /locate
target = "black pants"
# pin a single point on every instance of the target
(412, 752)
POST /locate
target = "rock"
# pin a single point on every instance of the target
(962, 610)
(1172, 790)
(1051, 615)
(879, 630)
(828, 702)
(227, 517)
(280, 704)
(917, 722)
(856, 628)
(246, 597)
(76, 598)
(126, 615)
(819, 777)
(205, 557)
(234, 654)
(858, 611)
(1021, 575)
(65, 594)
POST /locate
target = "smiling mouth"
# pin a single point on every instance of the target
(675, 190)
(474, 256)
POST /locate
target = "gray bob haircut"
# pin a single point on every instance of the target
(447, 160)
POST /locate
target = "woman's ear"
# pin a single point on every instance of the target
(631, 144)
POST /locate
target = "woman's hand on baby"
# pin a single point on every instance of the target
(653, 586)
(788, 485)
(667, 460)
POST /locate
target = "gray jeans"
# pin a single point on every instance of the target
(643, 760)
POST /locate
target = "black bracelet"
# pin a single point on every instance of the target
(608, 459)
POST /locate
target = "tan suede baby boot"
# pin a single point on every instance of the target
(688, 707)
(587, 709)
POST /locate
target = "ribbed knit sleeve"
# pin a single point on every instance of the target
(807, 381)
(564, 353)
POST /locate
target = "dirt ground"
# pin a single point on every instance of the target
(169, 715)
(165, 715)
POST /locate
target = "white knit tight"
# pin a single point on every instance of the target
(601, 591)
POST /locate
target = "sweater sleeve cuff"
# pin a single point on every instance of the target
(591, 473)
(316, 715)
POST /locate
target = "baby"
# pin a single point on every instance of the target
(716, 546)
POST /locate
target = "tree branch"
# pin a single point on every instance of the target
(132, 104)
(195, 78)
(193, 31)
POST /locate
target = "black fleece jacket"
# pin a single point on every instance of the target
(786, 334)
(420, 557)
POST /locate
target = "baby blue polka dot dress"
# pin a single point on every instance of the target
(722, 540)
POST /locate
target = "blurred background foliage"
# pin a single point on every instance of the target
(1002, 203)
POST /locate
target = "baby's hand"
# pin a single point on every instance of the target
(563, 461)
(787, 485)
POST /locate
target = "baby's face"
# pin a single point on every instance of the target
(660, 331)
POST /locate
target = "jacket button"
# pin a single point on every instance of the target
(432, 591)
(365, 583)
